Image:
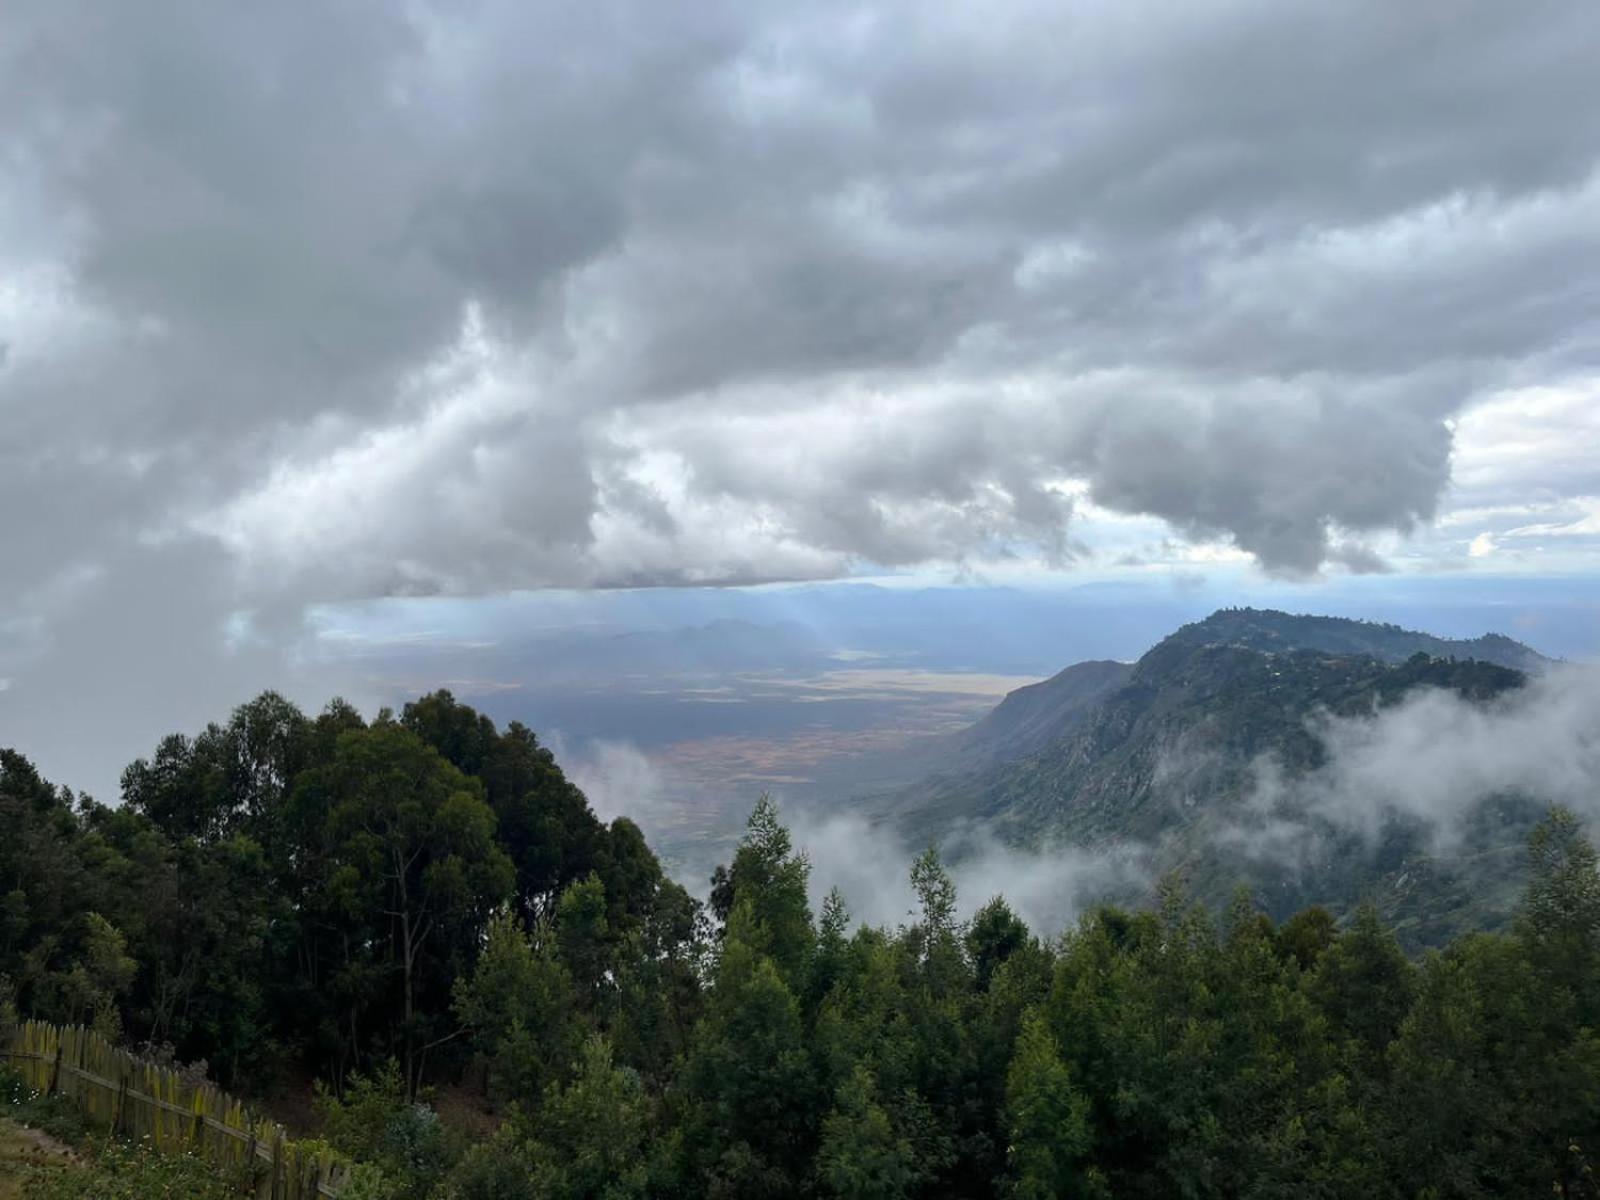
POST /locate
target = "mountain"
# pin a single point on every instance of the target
(1270, 631)
(1164, 755)
(1032, 717)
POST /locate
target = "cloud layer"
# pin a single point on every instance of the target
(465, 296)
(1433, 759)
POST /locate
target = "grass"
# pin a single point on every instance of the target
(118, 1170)
(46, 1154)
(30, 1159)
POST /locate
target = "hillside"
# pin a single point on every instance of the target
(1164, 754)
(1271, 631)
(1032, 717)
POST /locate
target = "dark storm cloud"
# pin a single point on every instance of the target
(355, 299)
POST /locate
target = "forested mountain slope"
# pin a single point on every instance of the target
(1032, 717)
(1166, 755)
(1271, 631)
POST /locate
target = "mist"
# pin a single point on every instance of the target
(868, 862)
(870, 865)
(1433, 760)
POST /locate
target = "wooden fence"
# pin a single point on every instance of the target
(134, 1098)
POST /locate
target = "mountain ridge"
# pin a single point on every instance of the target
(1163, 753)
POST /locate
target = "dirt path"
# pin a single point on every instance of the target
(23, 1151)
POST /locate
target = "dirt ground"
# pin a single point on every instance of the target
(23, 1151)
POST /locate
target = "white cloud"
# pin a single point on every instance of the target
(422, 298)
(1435, 757)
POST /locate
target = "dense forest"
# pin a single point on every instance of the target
(382, 911)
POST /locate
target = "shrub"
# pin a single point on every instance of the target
(55, 1115)
(118, 1170)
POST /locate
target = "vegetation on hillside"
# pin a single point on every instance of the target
(1271, 631)
(1168, 761)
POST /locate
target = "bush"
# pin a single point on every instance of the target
(496, 1169)
(374, 1124)
(119, 1170)
(55, 1115)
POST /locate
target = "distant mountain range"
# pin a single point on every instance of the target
(1163, 754)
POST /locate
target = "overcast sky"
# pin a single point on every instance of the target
(315, 303)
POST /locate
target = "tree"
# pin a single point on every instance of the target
(933, 940)
(521, 1009)
(1559, 917)
(1306, 935)
(592, 1136)
(543, 821)
(100, 977)
(936, 893)
(751, 1121)
(46, 886)
(862, 1156)
(231, 778)
(1363, 984)
(413, 858)
(583, 934)
(828, 963)
(771, 877)
(378, 1122)
(996, 933)
(1047, 1121)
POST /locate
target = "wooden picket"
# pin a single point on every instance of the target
(137, 1099)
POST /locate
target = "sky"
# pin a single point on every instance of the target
(309, 307)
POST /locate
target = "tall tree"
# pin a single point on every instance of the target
(771, 877)
(414, 858)
(1047, 1120)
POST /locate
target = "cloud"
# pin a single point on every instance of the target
(116, 668)
(463, 297)
(871, 866)
(869, 863)
(1433, 759)
(619, 780)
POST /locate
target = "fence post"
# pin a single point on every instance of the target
(143, 1096)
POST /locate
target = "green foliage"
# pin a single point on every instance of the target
(520, 1005)
(862, 1155)
(751, 1112)
(53, 1114)
(582, 934)
(359, 900)
(1305, 936)
(1364, 986)
(412, 843)
(995, 934)
(117, 1170)
(497, 1168)
(94, 984)
(936, 893)
(592, 1136)
(1559, 920)
(1047, 1121)
(374, 1123)
(769, 876)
